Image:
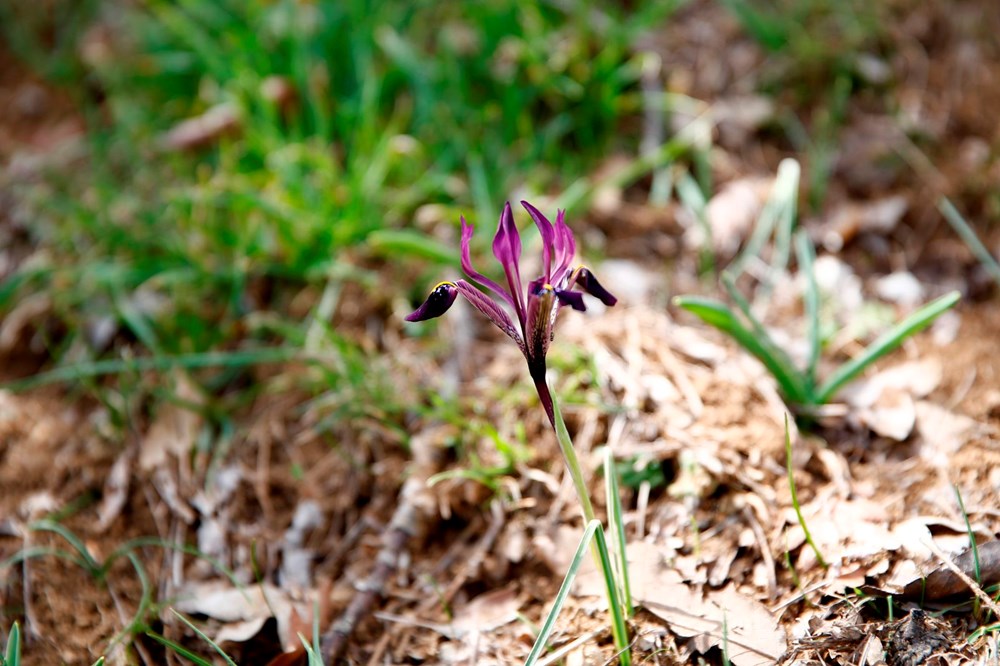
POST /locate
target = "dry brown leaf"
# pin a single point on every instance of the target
(943, 582)
(243, 610)
(732, 212)
(884, 402)
(842, 530)
(116, 487)
(175, 429)
(850, 219)
(943, 431)
(750, 631)
(487, 612)
(901, 288)
(893, 416)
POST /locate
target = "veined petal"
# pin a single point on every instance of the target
(565, 247)
(589, 283)
(548, 236)
(507, 250)
(493, 312)
(474, 275)
(437, 303)
(507, 241)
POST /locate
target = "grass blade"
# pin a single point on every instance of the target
(593, 535)
(88, 560)
(807, 257)
(972, 545)
(776, 217)
(617, 525)
(395, 243)
(886, 343)
(179, 649)
(204, 637)
(12, 655)
(757, 328)
(693, 198)
(567, 584)
(966, 233)
(114, 366)
(717, 314)
(795, 498)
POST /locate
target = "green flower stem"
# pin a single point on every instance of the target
(601, 557)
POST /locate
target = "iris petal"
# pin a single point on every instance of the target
(474, 275)
(548, 236)
(507, 241)
(589, 283)
(565, 246)
(440, 299)
(493, 312)
(507, 250)
(574, 299)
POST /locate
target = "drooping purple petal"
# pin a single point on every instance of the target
(507, 250)
(493, 312)
(440, 299)
(589, 283)
(474, 275)
(574, 299)
(548, 236)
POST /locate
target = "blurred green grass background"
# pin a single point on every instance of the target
(355, 133)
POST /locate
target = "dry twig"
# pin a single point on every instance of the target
(413, 517)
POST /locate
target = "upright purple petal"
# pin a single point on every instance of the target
(548, 236)
(474, 275)
(493, 312)
(437, 303)
(507, 250)
(507, 242)
(565, 247)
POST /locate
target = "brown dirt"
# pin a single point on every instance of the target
(690, 403)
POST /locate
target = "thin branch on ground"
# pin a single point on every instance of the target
(414, 516)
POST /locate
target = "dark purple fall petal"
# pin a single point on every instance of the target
(574, 299)
(440, 299)
(589, 283)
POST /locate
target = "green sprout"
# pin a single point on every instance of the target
(800, 387)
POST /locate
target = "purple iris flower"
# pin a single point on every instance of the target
(534, 308)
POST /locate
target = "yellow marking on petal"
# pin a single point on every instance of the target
(548, 287)
(442, 284)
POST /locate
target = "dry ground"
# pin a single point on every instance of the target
(299, 514)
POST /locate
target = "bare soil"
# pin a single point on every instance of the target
(297, 514)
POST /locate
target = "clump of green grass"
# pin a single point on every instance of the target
(78, 554)
(801, 387)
